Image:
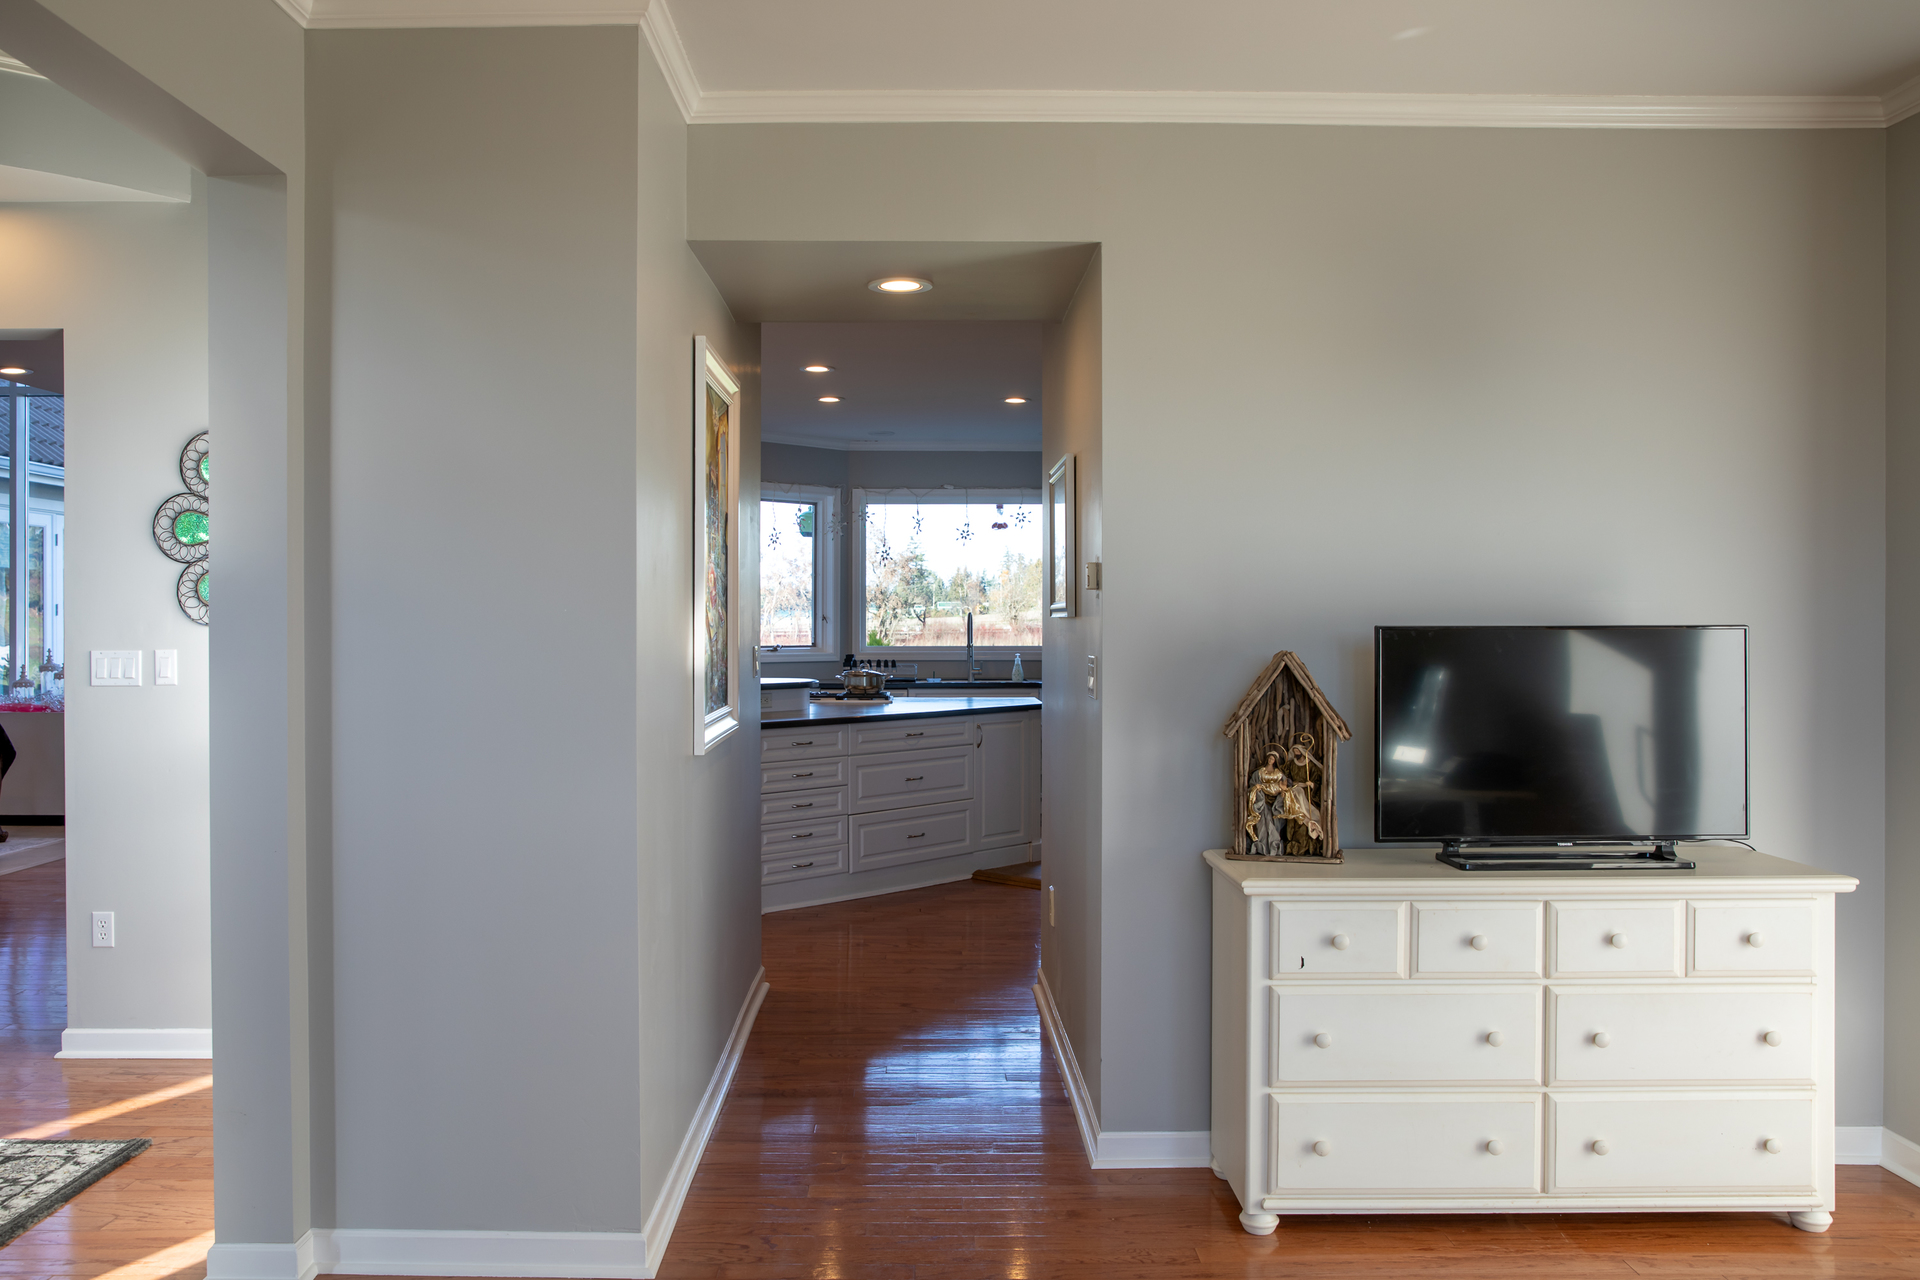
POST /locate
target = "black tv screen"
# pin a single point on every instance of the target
(1560, 734)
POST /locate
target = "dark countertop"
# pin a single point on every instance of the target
(828, 712)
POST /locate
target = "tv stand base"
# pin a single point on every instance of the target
(1663, 856)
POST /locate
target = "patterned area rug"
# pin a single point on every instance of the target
(38, 1175)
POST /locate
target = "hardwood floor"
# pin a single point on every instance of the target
(150, 1218)
(897, 1117)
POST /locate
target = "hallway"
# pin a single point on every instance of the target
(898, 1117)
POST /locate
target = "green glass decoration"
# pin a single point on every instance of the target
(190, 527)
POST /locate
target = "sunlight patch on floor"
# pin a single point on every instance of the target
(66, 1123)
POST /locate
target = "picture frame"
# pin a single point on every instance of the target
(1062, 517)
(716, 549)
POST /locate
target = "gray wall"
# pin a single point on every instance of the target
(850, 469)
(1903, 628)
(1070, 797)
(1452, 376)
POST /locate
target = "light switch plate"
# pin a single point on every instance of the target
(1093, 575)
(1093, 676)
(166, 666)
(115, 666)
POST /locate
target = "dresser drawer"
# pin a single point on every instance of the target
(1682, 1143)
(1645, 1036)
(917, 835)
(802, 741)
(1360, 1035)
(1605, 939)
(803, 836)
(792, 806)
(1752, 937)
(1375, 1143)
(1459, 939)
(1340, 940)
(802, 775)
(911, 735)
(779, 868)
(912, 778)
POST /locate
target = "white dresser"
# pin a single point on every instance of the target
(1396, 1036)
(899, 797)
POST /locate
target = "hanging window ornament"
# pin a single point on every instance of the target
(1020, 517)
(999, 524)
(918, 523)
(773, 536)
(803, 519)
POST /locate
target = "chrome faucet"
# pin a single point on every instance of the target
(973, 668)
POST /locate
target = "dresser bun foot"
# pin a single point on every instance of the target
(1262, 1224)
(1816, 1221)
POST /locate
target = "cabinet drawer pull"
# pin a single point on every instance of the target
(921, 734)
(1602, 1040)
(1341, 942)
(1618, 940)
(1478, 942)
(805, 835)
(917, 835)
(1323, 1148)
(800, 865)
(807, 743)
(807, 805)
(1755, 940)
(918, 778)
(1324, 1040)
(1493, 1147)
(807, 774)
(1495, 1039)
(1772, 1037)
(1772, 1146)
(1600, 1146)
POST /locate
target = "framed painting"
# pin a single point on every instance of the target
(716, 536)
(1060, 520)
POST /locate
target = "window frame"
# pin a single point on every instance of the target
(826, 563)
(857, 540)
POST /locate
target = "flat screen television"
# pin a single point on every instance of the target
(1560, 735)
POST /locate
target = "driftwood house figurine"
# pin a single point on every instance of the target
(1286, 737)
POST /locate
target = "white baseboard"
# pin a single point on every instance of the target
(263, 1261)
(1898, 1155)
(1142, 1149)
(1857, 1143)
(666, 1207)
(138, 1042)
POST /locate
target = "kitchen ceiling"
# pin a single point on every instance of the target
(902, 386)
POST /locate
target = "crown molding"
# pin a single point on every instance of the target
(301, 11)
(18, 67)
(1438, 110)
(322, 15)
(664, 39)
(1902, 102)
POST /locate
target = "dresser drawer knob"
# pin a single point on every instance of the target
(1772, 1145)
(1323, 1148)
(1617, 940)
(1493, 1147)
(1771, 1037)
(1755, 940)
(1341, 942)
(1600, 1146)
(1324, 1040)
(1478, 942)
(1495, 1039)
(1601, 1039)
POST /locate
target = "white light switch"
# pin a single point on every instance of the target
(103, 928)
(166, 666)
(116, 666)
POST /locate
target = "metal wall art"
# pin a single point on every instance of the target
(181, 530)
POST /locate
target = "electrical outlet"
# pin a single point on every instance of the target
(115, 666)
(166, 666)
(1050, 920)
(103, 928)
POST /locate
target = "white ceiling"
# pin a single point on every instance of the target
(908, 385)
(776, 280)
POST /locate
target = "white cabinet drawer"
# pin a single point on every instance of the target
(917, 835)
(1608, 939)
(1645, 1036)
(911, 735)
(1460, 939)
(1752, 937)
(803, 836)
(1677, 1142)
(1339, 940)
(802, 775)
(777, 869)
(912, 778)
(793, 806)
(1359, 1035)
(803, 741)
(1375, 1143)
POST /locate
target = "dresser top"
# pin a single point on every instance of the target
(835, 712)
(1418, 871)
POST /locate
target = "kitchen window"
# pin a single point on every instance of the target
(924, 559)
(798, 524)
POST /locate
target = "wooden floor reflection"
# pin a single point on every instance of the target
(897, 1117)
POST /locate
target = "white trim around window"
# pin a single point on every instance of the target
(858, 555)
(826, 571)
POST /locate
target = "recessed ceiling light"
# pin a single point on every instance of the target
(819, 368)
(1016, 399)
(829, 399)
(15, 371)
(900, 284)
